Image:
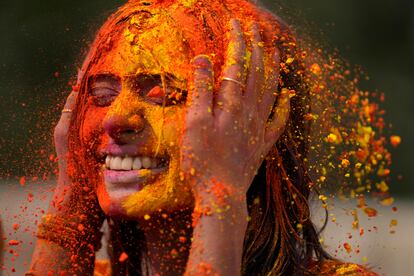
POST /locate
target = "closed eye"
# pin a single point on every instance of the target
(104, 89)
(103, 96)
(151, 89)
(169, 96)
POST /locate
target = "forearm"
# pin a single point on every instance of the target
(219, 229)
(65, 244)
(68, 235)
(49, 257)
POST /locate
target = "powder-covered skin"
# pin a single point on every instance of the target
(150, 43)
(153, 86)
(345, 121)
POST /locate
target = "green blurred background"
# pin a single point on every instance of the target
(42, 42)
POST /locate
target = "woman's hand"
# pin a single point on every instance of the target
(71, 207)
(49, 256)
(61, 136)
(224, 143)
(227, 138)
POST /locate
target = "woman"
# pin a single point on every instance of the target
(187, 132)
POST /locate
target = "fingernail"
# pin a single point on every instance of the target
(202, 61)
(257, 36)
(276, 57)
(254, 27)
(235, 24)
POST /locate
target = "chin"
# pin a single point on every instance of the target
(143, 204)
(110, 205)
(140, 194)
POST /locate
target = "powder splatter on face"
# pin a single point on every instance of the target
(348, 139)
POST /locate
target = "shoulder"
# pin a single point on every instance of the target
(336, 268)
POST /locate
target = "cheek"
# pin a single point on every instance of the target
(168, 125)
(103, 198)
(92, 124)
(173, 128)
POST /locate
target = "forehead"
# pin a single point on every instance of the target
(146, 43)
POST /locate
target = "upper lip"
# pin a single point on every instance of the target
(130, 151)
(125, 150)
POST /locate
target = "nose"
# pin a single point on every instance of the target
(124, 128)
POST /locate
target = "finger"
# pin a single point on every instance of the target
(229, 96)
(201, 92)
(69, 107)
(270, 92)
(62, 127)
(71, 100)
(280, 117)
(256, 74)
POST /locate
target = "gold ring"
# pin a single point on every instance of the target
(67, 110)
(233, 80)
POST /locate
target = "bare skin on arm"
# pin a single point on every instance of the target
(47, 253)
(50, 256)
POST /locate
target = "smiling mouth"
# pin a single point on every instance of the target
(126, 163)
(132, 170)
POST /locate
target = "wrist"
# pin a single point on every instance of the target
(220, 201)
(72, 232)
(220, 219)
(214, 190)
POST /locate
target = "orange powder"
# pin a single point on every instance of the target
(221, 192)
(161, 39)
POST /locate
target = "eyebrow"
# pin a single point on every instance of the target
(116, 81)
(103, 77)
(170, 79)
(168, 76)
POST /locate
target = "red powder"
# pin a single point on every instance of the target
(156, 92)
(221, 192)
(81, 227)
(347, 247)
(123, 257)
(371, 212)
(205, 269)
(16, 226)
(395, 141)
(14, 242)
(30, 197)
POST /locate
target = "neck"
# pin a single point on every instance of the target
(168, 240)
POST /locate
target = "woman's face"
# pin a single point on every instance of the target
(134, 119)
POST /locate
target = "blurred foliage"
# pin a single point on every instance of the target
(43, 42)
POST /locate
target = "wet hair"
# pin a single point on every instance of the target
(280, 238)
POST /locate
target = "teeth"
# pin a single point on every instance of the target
(146, 162)
(127, 163)
(108, 162)
(130, 163)
(137, 164)
(116, 163)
